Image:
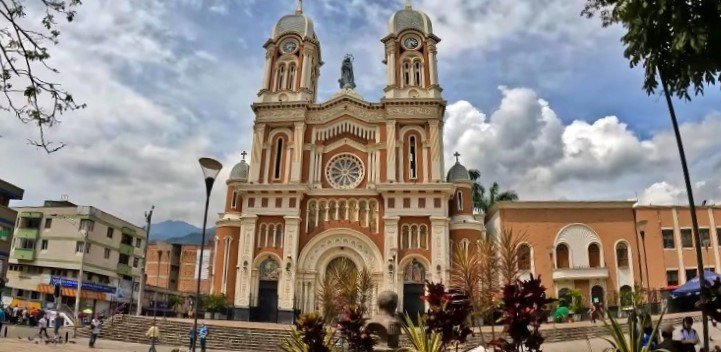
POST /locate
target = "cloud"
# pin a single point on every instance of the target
(524, 146)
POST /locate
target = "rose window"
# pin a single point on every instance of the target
(345, 171)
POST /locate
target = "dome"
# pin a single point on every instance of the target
(297, 23)
(458, 172)
(408, 18)
(240, 171)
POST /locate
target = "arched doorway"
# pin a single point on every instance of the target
(414, 278)
(597, 295)
(267, 309)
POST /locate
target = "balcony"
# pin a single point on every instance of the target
(127, 230)
(126, 249)
(29, 233)
(580, 273)
(24, 253)
(124, 269)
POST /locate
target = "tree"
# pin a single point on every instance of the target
(679, 45)
(214, 303)
(24, 56)
(344, 286)
(489, 283)
(509, 246)
(480, 200)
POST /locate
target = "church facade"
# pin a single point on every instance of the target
(343, 178)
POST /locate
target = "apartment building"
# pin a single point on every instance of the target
(174, 266)
(8, 192)
(52, 242)
(189, 262)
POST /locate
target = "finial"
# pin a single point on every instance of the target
(457, 155)
(408, 5)
(299, 9)
(244, 154)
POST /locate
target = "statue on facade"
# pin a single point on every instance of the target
(347, 80)
(386, 325)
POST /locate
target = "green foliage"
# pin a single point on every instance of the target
(631, 342)
(308, 335)
(483, 201)
(576, 303)
(29, 96)
(214, 303)
(174, 301)
(508, 254)
(422, 339)
(679, 40)
(344, 286)
(351, 326)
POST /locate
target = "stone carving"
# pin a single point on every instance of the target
(353, 110)
(269, 270)
(412, 111)
(347, 79)
(280, 114)
(308, 263)
(414, 273)
(386, 324)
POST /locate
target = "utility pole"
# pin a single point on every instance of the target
(141, 290)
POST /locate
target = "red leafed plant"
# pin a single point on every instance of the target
(351, 326)
(524, 310)
(448, 314)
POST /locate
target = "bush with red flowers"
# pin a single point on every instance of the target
(448, 314)
(351, 326)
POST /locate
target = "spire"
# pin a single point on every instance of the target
(299, 9)
(408, 5)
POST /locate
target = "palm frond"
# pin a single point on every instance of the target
(421, 339)
(508, 249)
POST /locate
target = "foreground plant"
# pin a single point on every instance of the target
(308, 335)
(633, 342)
(351, 327)
(422, 338)
(447, 314)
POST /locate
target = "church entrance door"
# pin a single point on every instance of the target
(414, 277)
(267, 308)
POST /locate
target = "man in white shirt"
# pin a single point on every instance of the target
(95, 325)
(689, 336)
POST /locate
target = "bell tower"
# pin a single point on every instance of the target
(410, 56)
(292, 61)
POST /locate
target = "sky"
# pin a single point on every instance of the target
(540, 100)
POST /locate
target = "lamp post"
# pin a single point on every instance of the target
(143, 279)
(642, 230)
(210, 168)
(84, 233)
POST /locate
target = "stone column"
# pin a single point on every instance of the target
(390, 252)
(679, 247)
(297, 152)
(243, 283)
(433, 63)
(268, 65)
(216, 268)
(436, 157)
(391, 64)
(286, 283)
(257, 152)
(305, 74)
(441, 253)
(391, 150)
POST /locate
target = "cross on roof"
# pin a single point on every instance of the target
(408, 4)
(299, 9)
(457, 155)
(244, 154)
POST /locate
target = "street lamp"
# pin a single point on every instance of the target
(210, 168)
(84, 233)
(157, 285)
(642, 230)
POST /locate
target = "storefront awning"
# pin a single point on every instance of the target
(70, 292)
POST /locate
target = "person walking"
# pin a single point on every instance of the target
(689, 336)
(58, 323)
(202, 335)
(191, 338)
(2, 317)
(153, 333)
(95, 325)
(669, 344)
(43, 327)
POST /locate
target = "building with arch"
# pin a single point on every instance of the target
(342, 178)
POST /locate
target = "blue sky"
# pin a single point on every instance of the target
(540, 99)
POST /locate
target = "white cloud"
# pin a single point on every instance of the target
(525, 146)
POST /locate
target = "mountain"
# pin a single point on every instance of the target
(170, 229)
(193, 238)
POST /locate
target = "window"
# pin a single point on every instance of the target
(138, 242)
(87, 248)
(691, 273)
(234, 201)
(110, 232)
(106, 255)
(278, 157)
(459, 199)
(291, 77)
(407, 73)
(44, 245)
(278, 236)
(48, 223)
(424, 236)
(24, 243)
(705, 238)
(279, 78)
(123, 259)
(136, 262)
(87, 225)
(126, 240)
(412, 157)
(34, 295)
(405, 237)
(718, 235)
(417, 73)
(622, 255)
(686, 238)
(79, 246)
(562, 261)
(594, 255)
(524, 257)
(668, 241)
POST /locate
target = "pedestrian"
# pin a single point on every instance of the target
(95, 325)
(2, 317)
(668, 343)
(191, 338)
(43, 325)
(592, 313)
(58, 323)
(689, 336)
(202, 335)
(153, 333)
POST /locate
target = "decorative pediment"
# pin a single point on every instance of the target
(345, 126)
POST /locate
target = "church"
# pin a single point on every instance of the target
(342, 178)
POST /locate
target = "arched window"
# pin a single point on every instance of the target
(278, 158)
(407, 73)
(412, 157)
(260, 239)
(312, 213)
(405, 236)
(594, 255)
(363, 213)
(290, 82)
(373, 215)
(464, 245)
(562, 261)
(524, 257)
(278, 242)
(279, 77)
(342, 211)
(234, 201)
(626, 293)
(414, 237)
(332, 210)
(622, 255)
(226, 256)
(353, 210)
(459, 200)
(417, 72)
(424, 236)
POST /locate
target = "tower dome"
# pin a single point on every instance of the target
(296, 23)
(458, 172)
(408, 18)
(240, 171)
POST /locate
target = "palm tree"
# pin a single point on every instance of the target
(483, 202)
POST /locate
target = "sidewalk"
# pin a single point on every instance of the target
(16, 345)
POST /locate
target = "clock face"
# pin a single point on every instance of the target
(410, 43)
(289, 46)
